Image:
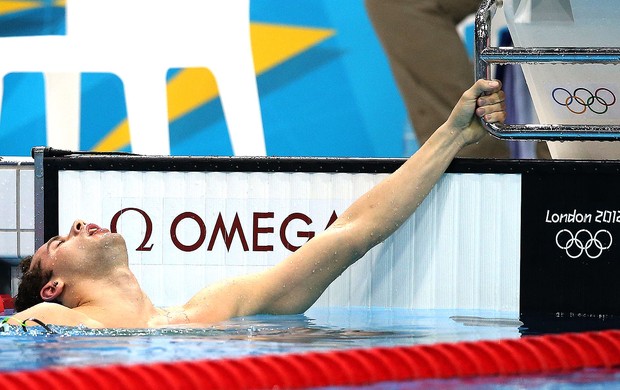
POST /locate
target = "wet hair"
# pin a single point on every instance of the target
(31, 283)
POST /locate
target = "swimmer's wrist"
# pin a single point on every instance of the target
(451, 138)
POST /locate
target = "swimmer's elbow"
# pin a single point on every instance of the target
(353, 237)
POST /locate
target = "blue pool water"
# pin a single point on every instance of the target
(317, 330)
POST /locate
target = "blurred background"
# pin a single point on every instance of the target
(324, 84)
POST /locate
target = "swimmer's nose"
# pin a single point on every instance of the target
(78, 224)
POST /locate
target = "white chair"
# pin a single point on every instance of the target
(139, 40)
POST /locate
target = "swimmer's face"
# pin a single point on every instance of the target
(86, 249)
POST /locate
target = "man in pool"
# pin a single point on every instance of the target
(84, 276)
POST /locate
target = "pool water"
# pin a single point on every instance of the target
(318, 330)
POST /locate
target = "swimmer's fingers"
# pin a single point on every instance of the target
(482, 88)
(492, 107)
(492, 99)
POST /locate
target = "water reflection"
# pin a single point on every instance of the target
(318, 330)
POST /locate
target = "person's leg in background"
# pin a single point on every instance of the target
(429, 62)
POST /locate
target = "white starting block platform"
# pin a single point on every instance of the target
(568, 49)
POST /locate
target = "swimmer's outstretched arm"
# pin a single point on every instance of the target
(293, 285)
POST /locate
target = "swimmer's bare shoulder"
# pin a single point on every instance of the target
(54, 313)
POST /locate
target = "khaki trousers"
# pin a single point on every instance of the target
(429, 62)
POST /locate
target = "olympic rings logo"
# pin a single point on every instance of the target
(583, 99)
(582, 242)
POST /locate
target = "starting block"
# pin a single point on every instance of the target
(566, 49)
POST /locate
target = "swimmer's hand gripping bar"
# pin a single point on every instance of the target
(486, 55)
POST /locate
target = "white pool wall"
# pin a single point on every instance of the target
(461, 249)
(16, 208)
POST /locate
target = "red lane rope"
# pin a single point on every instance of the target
(528, 355)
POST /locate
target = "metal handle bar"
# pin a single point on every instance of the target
(486, 55)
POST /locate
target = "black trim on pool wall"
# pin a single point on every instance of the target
(311, 164)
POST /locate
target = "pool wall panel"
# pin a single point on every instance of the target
(481, 240)
(16, 208)
(459, 250)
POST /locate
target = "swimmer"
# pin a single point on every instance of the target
(83, 278)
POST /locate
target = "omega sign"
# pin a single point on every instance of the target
(584, 242)
(247, 231)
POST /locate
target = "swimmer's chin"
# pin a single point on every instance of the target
(117, 236)
(110, 235)
(113, 238)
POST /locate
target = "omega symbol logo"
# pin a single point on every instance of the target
(584, 242)
(582, 100)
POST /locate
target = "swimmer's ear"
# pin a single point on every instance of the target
(51, 290)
